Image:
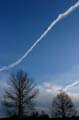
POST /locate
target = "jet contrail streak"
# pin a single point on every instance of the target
(60, 16)
(71, 85)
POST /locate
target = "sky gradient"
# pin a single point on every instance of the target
(55, 60)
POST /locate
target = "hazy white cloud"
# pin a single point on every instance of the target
(48, 90)
(46, 93)
(74, 96)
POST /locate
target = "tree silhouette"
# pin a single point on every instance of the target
(62, 106)
(19, 97)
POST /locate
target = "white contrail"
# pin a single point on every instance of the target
(60, 16)
(71, 85)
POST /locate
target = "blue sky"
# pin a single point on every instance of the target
(54, 62)
(55, 59)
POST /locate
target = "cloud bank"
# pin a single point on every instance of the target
(47, 91)
(60, 17)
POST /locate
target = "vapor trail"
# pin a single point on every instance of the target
(71, 85)
(60, 16)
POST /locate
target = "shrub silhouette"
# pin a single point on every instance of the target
(62, 106)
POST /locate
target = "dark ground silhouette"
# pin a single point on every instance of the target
(40, 118)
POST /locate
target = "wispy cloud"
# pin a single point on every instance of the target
(70, 86)
(60, 17)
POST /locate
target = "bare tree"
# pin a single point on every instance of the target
(62, 106)
(19, 97)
